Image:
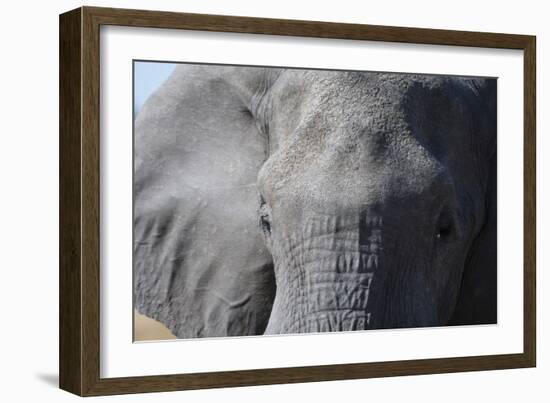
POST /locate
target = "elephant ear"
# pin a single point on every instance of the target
(477, 302)
(200, 264)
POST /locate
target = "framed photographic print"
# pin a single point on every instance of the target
(250, 201)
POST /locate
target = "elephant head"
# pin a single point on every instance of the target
(288, 200)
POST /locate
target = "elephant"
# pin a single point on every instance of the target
(288, 200)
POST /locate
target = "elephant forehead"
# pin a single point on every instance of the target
(355, 132)
(331, 98)
(363, 134)
(327, 111)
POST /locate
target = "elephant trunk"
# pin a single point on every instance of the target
(325, 274)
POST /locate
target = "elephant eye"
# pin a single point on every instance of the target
(444, 232)
(445, 229)
(265, 222)
(266, 225)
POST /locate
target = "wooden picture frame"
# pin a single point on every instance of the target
(79, 347)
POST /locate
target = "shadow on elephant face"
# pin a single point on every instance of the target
(289, 201)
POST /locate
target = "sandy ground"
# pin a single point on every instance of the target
(146, 328)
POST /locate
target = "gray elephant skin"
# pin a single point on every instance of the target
(271, 201)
